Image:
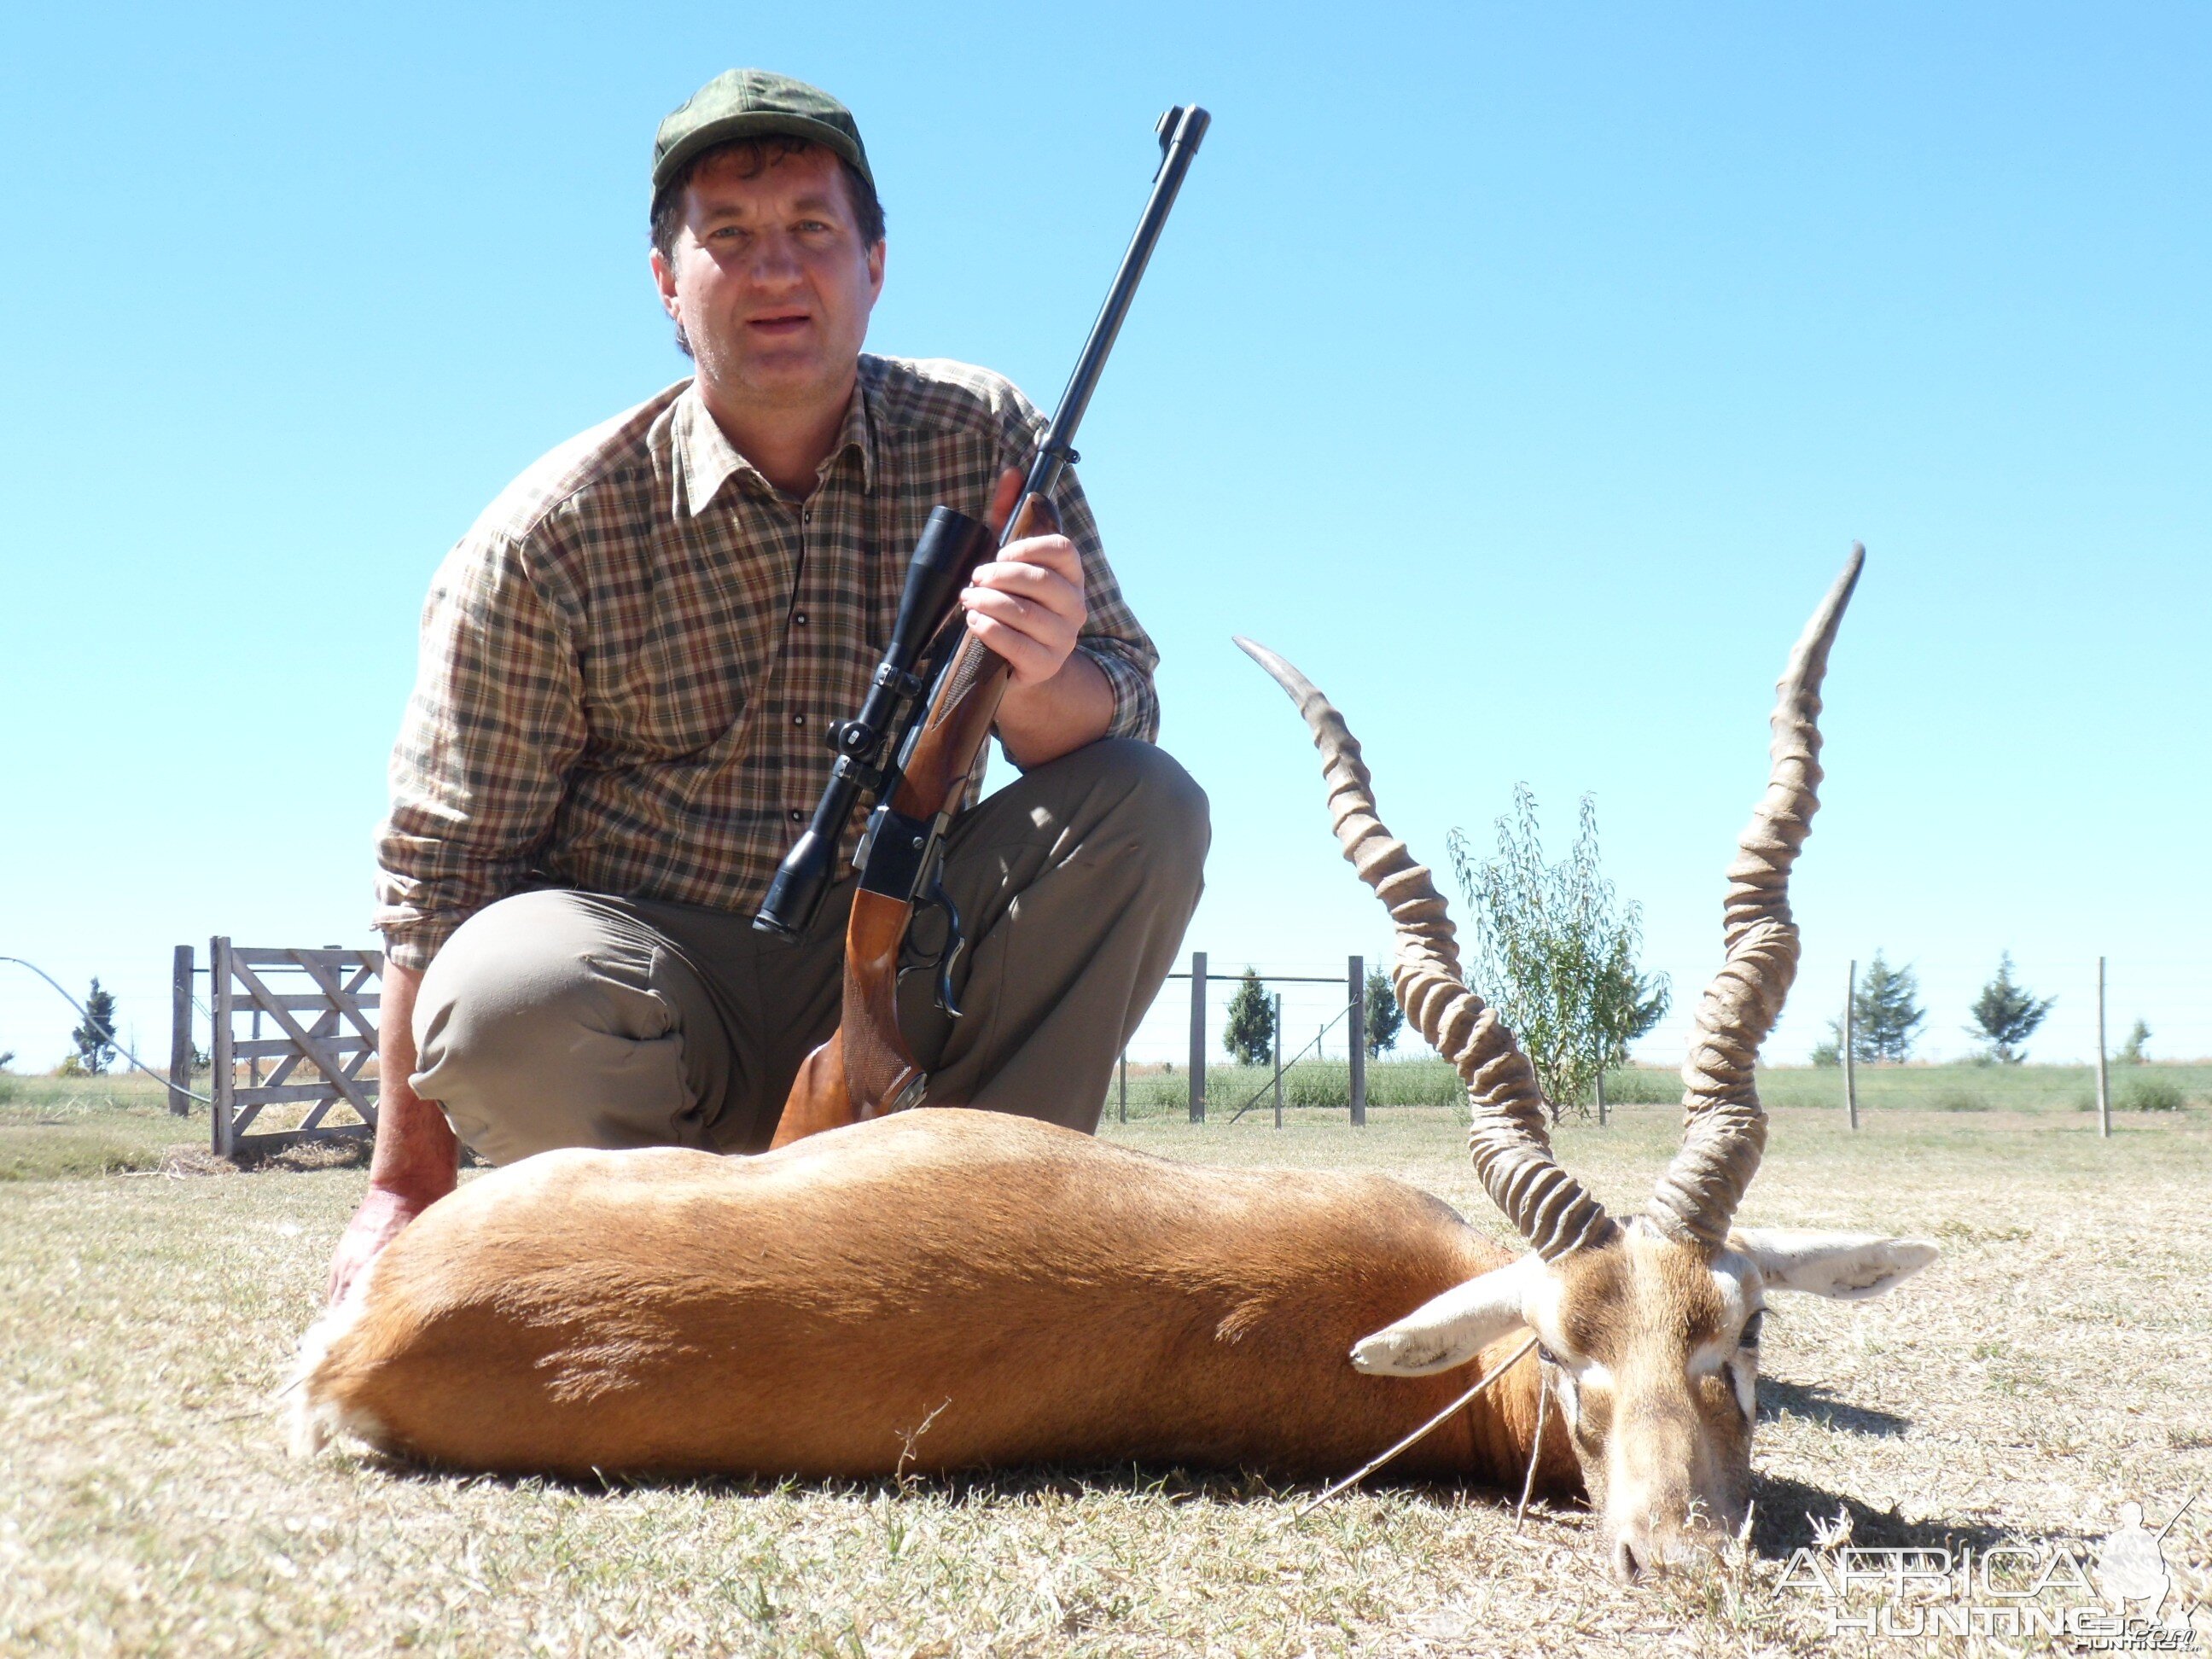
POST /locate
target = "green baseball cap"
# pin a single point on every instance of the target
(748, 103)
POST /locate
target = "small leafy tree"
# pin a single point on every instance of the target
(1830, 1053)
(1886, 1013)
(1384, 1017)
(2131, 1051)
(1557, 953)
(2007, 1013)
(1251, 1033)
(1625, 1005)
(95, 1038)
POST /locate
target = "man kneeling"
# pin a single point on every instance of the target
(629, 666)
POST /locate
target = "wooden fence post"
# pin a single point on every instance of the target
(220, 1078)
(1850, 1044)
(1601, 1094)
(1198, 1036)
(2104, 1088)
(1279, 1060)
(1355, 975)
(1125, 1085)
(181, 1032)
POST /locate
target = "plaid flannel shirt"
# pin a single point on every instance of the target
(630, 662)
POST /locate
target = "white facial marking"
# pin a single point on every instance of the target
(1743, 1371)
(1737, 1283)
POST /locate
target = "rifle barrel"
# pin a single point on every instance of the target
(1180, 129)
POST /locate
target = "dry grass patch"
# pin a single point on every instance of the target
(2051, 1367)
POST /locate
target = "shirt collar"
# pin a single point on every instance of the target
(707, 460)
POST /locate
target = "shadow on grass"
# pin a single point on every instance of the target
(975, 1485)
(1787, 1514)
(1812, 1401)
(1790, 1515)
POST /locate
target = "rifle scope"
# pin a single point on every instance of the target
(952, 545)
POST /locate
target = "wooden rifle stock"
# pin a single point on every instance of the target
(866, 1068)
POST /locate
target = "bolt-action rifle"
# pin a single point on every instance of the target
(915, 744)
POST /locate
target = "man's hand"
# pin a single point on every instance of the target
(417, 1161)
(1027, 603)
(382, 1214)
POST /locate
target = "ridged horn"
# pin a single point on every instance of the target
(1511, 1149)
(1723, 1126)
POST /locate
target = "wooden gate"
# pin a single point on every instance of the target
(291, 1027)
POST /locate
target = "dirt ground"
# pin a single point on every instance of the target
(2051, 1366)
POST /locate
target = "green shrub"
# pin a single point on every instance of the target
(1641, 1085)
(1414, 1083)
(1960, 1100)
(2151, 1094)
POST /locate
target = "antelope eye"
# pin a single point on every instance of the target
(1751, 1328)
(1546, 1355)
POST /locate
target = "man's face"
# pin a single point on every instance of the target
(770, 278)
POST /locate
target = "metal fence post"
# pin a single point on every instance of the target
(1851, 1047)
(2104, 1090)
(1279, 1060)
(181, 1032)
(1125, 1085)
(1198, 1036)
(1355, 975)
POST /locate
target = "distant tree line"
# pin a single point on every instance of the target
(1887, 1017)
(1250, 1035)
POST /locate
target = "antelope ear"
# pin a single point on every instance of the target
(1454, 1328)
(1849, 1266)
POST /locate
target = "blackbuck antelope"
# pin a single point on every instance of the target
(946, 1289)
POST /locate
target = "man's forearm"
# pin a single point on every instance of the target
(417, 1161)
(1041, 723)
(415, 1151)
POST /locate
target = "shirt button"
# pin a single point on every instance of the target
(798, 720)
(797, 817)
(799, 618)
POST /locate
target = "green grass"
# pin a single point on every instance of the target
(1957, 1087)
(54, 1128)
(2050, 1367)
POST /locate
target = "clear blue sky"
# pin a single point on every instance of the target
(1522, 373)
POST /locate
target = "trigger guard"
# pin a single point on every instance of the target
(955, 941)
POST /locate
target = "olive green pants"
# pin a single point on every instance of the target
(564, 1018)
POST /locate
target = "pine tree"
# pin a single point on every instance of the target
(2007, 1013)
(1384, 1017)
(95, 1038)
(1251, 1034)
(1886, 1013)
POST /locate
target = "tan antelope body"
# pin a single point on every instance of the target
(1030, 1294)
(944, 1289)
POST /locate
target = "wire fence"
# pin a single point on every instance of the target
(2168, 994)
(2161, 991)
